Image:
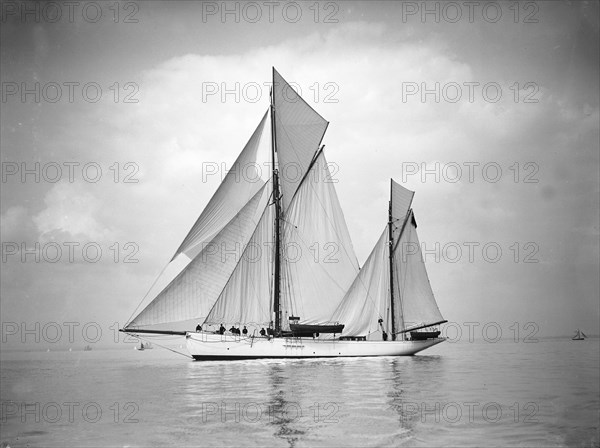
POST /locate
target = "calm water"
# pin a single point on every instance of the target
(467, 394)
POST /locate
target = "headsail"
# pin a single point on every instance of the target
(367, 299)
(191, 295)
(189, 285)
(239, 185)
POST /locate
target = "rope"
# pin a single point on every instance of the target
(162, 346)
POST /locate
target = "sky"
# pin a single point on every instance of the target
(114, 117)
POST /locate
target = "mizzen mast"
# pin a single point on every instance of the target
(391, 257)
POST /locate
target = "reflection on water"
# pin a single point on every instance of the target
(506, 394)
(283, 412)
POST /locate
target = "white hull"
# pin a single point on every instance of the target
(207, 346)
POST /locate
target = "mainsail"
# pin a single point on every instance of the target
(393, 285)
(235, 271)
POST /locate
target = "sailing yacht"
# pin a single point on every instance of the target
(274, 256)
(579, 335)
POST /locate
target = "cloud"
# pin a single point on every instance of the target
(14, 224)
(71, 212)
(354, 75)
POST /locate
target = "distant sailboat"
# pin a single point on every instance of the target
(579, 335)
(144, 346)
(311, 303)
(87, 348)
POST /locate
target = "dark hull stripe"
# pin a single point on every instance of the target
(234, 358)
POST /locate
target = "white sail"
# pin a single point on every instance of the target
(237, 277)
(368, 298)
(417, 305)
(401, 200)
(239, 185)
(319, 262)
(246, 298)
(194, 291)
(299, 131)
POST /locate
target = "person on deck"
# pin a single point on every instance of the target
(262, 332)
(245, 330)
(222, 329)
(198, 328)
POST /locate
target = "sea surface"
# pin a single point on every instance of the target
(507, 393)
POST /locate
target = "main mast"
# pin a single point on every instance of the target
(277, 232)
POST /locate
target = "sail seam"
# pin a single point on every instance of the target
(183, 271)
(239, 261)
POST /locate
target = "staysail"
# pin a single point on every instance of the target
(319, 262)
(367, 299)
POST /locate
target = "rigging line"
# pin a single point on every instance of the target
(147, 292)
(239, 261)
(285, 283)
(335, 230)
(316, 155)
(254, 288)
(295, 152)
(312, 269)
(288, 138)
(235, 164)
(185, 268)
(424, 267)
(259, 135)
(293, 300)
(375, 306)
(404, 273)
(165, 347)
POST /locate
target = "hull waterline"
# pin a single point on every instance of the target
(209, 346)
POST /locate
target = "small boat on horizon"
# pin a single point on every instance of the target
(579, 335)
(143, 346)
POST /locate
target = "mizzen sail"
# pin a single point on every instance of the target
(392, 292)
